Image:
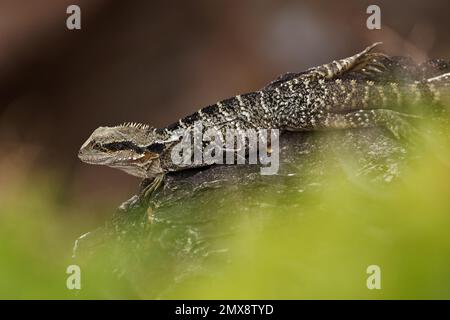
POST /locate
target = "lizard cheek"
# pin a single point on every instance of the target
(147, 156)
(138, 157)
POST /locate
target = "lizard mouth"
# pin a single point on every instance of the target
(94, 159)
(117, 159)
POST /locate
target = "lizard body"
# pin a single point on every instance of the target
(364, 90)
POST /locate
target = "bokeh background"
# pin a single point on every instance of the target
(154, 62)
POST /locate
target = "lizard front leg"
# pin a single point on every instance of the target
(136, 203)
(147, 192)
(148, 187)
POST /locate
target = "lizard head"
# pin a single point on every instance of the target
(130, 147)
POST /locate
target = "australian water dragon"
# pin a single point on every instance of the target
(365, 90)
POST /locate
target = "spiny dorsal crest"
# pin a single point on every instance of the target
(135, 125)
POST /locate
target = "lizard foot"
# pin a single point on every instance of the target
(371, 63)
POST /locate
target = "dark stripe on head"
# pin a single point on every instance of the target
(122, 145)
(156, 147)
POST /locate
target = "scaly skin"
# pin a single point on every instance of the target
(364, 90)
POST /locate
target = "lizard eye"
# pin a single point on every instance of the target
(96, 145)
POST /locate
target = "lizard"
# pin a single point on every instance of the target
(359, 91)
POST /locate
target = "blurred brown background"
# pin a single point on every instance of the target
(156, 61)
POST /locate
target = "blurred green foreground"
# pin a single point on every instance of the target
(277, 253)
